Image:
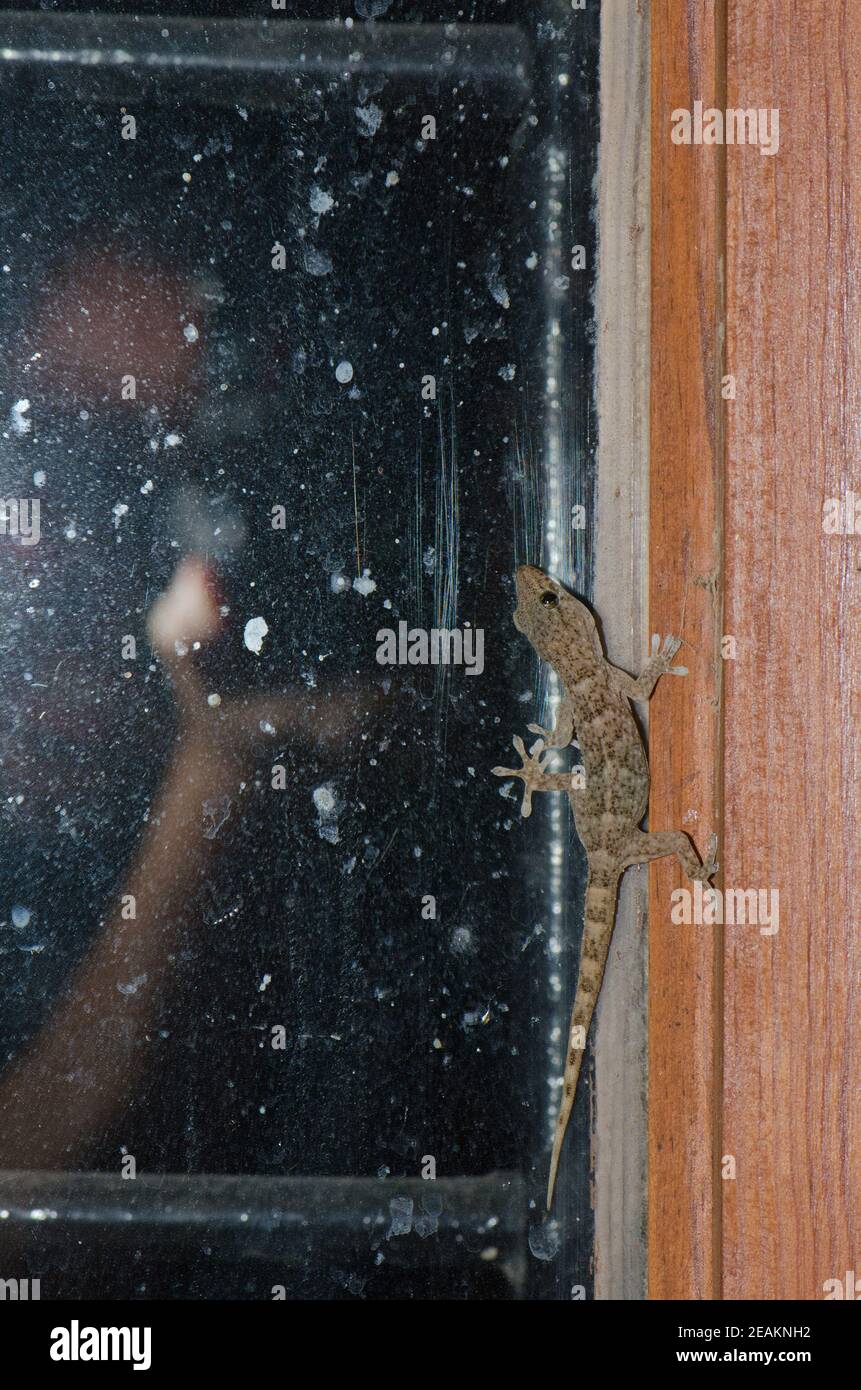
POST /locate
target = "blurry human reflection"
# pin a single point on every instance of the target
(80, 1070)
(78, 733)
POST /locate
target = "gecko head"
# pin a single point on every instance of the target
(548, 614)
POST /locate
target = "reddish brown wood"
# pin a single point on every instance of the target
(686, 472)
(753, 1038)
(792, 1104)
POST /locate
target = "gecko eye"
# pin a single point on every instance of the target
(549, 599)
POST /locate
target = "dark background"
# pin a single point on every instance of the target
(406, 1037)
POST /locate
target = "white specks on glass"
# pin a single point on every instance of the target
(462, 941)
(544, 1240)
(18, 417)
(401, 1212)
(255, 630)
(497, 286)
(365, 585)
(133, 985)
(317, 262)
(215, 814)
(369, 118)
(327, 806)
(325, 800)
(320, 200)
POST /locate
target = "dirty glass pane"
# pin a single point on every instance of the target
(296, 354)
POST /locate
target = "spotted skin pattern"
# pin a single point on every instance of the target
(610, 800)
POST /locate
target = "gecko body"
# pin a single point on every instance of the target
(610, 805)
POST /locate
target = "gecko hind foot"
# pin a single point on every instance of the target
(665, 653)
(710, 866)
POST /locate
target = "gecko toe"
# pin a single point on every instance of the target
(711, 866)
(537, 729)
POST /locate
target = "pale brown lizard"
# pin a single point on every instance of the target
(611, 801)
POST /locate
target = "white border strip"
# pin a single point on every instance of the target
(621, 598)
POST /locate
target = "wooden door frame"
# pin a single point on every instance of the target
(754, 1082)
(687, 446)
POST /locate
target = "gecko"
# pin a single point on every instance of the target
(612, 796)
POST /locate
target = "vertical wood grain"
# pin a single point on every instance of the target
(792, 1104)
(684, 597)
(753, 1037)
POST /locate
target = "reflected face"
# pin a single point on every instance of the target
(103, 314)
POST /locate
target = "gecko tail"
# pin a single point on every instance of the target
(559, 1136)
(600, 914)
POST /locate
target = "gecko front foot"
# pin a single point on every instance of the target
(533, 772)
(663, 655)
